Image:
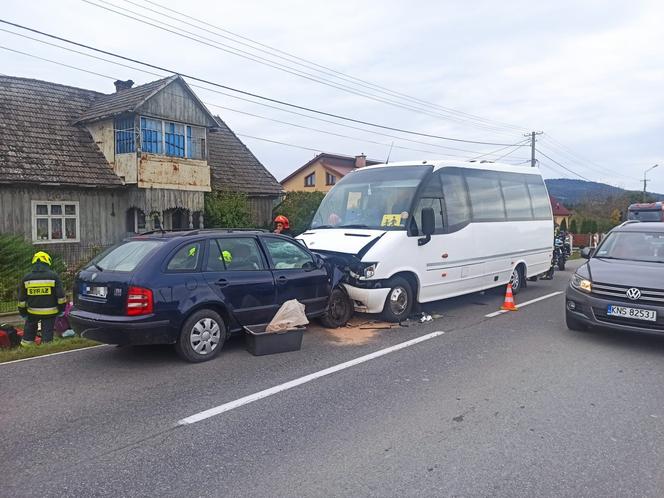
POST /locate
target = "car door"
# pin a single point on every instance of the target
(297, 274)
(236, 270)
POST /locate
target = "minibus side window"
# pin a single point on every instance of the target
(486, 199)
(431, 196)
(517, 199)
(456, 199)
(539, 198)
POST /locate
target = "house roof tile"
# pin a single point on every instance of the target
(234, 167)
(333, 162)
(558, 208)
(107, 106)
(39, 142)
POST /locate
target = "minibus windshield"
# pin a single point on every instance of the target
(645, 214)
(378, 198)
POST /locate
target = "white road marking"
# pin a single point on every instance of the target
(500, 312)
(54, 354)
(302, 380)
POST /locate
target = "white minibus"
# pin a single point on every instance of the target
(418, 232)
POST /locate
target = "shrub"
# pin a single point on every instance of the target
(225, 209)
(15, 261)
(299, 208)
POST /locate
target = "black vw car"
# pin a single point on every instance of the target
(622, 284)
(192, 289)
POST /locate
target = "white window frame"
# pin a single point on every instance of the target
(163, 138)
(49, 217)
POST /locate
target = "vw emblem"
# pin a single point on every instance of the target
(633, 293)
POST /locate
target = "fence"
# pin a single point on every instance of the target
(67, 261)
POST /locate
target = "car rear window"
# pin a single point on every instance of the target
(126, 256)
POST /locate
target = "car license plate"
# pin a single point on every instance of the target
(635, 313)
(95, 291)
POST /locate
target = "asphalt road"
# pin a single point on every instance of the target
(514, 405)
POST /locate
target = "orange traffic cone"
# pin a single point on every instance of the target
(508, 304)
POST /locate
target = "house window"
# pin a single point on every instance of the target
(330, 179)
(135, 221)
(172, 139)
(55, 221)
(152, 136)
(124, 135)
(310, 180)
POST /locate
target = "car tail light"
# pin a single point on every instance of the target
(139, 301)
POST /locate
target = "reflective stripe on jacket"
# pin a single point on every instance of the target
(41, 293)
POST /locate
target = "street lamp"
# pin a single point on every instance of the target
(646, 181)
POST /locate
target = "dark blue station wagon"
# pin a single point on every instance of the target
(193, 289)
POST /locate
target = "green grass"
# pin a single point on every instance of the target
(56, 346)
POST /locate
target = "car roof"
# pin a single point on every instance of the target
(640, 226)
(167, 235)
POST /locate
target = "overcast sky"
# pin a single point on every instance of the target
(589, 74)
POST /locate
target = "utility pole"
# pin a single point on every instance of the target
(532, 145)
(645, 181)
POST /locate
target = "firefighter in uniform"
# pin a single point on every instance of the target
(41, 299)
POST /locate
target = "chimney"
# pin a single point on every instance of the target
(123, 85)
(360, 161)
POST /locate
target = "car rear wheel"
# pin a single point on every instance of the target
(574, 323)
(399, 301)
(202, 336)
(339, 310)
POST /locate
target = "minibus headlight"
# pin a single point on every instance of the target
(370, 270)
(583, 284)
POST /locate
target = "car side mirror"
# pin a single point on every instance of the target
(428, 225)
(309, 266)
(320, 262)
(587, 252)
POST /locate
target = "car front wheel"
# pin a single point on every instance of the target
(339, 310)
(202, 336)
(399, 301)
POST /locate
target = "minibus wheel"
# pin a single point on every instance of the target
(517, 279)
(399, 301)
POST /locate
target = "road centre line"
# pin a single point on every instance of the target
(542, 298)
(302, 380)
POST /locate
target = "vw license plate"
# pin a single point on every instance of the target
(635, 313)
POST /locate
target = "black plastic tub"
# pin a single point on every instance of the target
(259, 342)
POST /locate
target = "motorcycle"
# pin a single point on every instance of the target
(558, 258)
(560, 252)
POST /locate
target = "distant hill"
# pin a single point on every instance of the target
(571, 192)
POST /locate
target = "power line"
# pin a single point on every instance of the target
(559, 147)
(287, 144)
(564, 167)
(244, 92)
(56, 62)
(499, 150)
(274, 52)
(364, 140)
(243, 112)
(178, 31)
